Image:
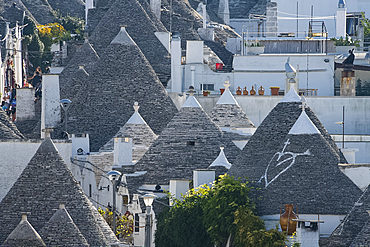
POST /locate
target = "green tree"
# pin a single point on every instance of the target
(250, 231)
(182, 225)
(124, 223)
(224, 198)
(366, 24)
(208, 217)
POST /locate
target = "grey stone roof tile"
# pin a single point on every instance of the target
(230, 116)
(106, 101)
(363, 238)
(255, 156)
(23, 235)
(238, 8)
(190, 141)
(354, 228)
(304, 172)
(40, 10)
(44, 184)
(8, 130)
(75, 8)
(70, 76)
(140, 27)
(60, 230)
(142, 137)
(186, 21)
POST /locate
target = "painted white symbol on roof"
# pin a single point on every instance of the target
(279, 169)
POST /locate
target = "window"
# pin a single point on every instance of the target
(90, 191)
(209, 87)
(190, 143)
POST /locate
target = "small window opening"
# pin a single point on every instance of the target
(190, 143)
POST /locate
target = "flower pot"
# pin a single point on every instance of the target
(222, 90)
(245, 91)
(206, 93)
(261, 91)
(274, 90)
(252, 92)
(239, 91)
(286, 220)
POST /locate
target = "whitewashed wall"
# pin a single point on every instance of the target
(328, 110)
(321, 9)
(326, 228)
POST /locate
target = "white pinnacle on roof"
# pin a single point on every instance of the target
(303, 125)
(289, 69)
(191, 100)
(123, 38)
(221, 160)
(291, 96)
(227, 98)
(136, 117)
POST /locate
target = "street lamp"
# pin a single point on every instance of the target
(65, 104)
(148, 200)
(114, 177)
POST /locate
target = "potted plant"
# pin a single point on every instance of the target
(254, 48)
(206, 93)
(342, 45)
(274, 90)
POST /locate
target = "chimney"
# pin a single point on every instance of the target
(341, 21)
(122, 151)
(178, 188)
(194, 52)
(291, 80)
(25, 105)
(203, 176)
(50, 107)
(89, 4)
(155, 6)
(308, 233)
(176, 72)
(204, 10)
(223, 11)
(80, 144)
(348, 81)
(271, 19)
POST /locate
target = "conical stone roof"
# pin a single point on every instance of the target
(190, 141)
(23, 235)
(44, 184)
(304, 172)
(60, 230)
(140, 132)
(228, 114)
(74, 85)
(75, 8)
(85, 56)
(363, 238)
(125, 77)
(256, 154)
(8, 130)
(140, 27)
(354, 228)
